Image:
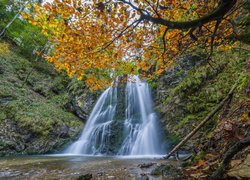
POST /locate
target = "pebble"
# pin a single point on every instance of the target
(111, 177)
(100, 174)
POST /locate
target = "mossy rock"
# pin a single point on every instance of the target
(166, 170)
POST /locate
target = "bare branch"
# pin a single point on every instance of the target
(154, 9)
(164, 41)
(137, 22)
(212, 39)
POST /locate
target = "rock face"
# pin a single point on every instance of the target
(172, 108)
(191, 89)
(40, 109)
(19, 140)
(82, 104)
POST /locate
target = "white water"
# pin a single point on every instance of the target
(140, 130)
(97, 129)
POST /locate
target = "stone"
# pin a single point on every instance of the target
(85, 177)
(146, 165)
(241, 171)
(111, 177)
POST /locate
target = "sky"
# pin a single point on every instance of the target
(47, 1)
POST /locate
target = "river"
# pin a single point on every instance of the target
(73, 167)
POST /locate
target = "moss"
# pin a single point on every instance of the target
(4, 48)
(34, 96)
(168, 100)
(2, 115)
(196, 78)
(200, 156)
(43, 117)
(205, 86)
(169, 170)
(2, 143)
(153, 83)
(188, 118)
(244, 80)
(173, 138)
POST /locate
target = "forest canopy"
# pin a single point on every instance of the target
(99, 40)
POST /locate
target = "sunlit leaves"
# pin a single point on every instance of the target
(98, 40)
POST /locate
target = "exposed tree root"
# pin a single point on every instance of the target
(240, 145)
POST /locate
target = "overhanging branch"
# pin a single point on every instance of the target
(224, 7)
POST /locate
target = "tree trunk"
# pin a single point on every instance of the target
(14, 18)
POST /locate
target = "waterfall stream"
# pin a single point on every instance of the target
(140, 132)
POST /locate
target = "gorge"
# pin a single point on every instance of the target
(140, 127)
(104, 89)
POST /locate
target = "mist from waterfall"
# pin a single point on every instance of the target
(140, 136)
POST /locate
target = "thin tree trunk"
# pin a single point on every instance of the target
(210, 115)
(14, 18)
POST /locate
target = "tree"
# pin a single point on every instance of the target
(98, 40)
(13, 27)
(11, 6)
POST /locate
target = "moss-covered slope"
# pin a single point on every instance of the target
(198, 90)
(187, 96)
(33, 101)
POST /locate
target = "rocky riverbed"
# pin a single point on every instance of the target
(80, 167)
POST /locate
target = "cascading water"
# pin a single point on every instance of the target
(140, 134)
(96, 132)
(140, 126)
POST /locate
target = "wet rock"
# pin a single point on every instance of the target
(15, 139)
(166, 170)
(100, 173)
(146, 165)
(1, 70)
(241, 171)
(85, 177)
(5, 100)
(111, 177)
(144, 176)
(62, 131)
(82, 104)
(177, 73)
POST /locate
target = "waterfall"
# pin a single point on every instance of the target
(140, 134)
(95, 134)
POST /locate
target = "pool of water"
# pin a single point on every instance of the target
(72, 167)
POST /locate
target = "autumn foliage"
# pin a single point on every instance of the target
(99, 40)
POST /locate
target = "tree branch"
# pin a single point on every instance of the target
(224, 7)
(164, 40)
(212, 39)
(137, 22)
(13, 19)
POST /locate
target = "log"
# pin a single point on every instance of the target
(204, 121)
